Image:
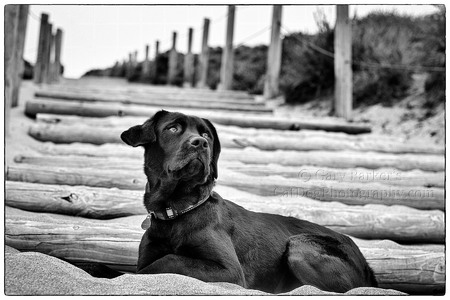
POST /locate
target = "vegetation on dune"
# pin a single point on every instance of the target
(383, 44)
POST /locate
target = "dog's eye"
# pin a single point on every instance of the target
(173, 128)
(205, 135)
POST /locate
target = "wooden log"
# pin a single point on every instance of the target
(330, 159)
(154, 64)
(130, 66)
(162, 101)
(271, 89)
(414, 268)
(173, 61)
(11, 24)
(110, 242)
(204, 57)
(34, 107)
(338, 159)
(79, 133)
(98, 86)
(385, 176)
(390, 264)
(58, 49)
(189, 79)
(226, 68)
(146, 64)
(343, 63)
(85, 133)
(38, 67)
(19, 48)
(82, 201)
(128, 121)
(137, 97)
(46, 60)
(351, 193)
(262, 142)
(396, 223)
(51, 67)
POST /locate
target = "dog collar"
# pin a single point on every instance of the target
(169, 213)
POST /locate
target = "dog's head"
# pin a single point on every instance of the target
(177, 147)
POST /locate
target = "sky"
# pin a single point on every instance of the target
(96, 36)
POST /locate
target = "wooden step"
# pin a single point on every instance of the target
(351, 193)
(397, 223)
(414, 268)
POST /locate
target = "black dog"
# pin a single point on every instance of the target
(191, 230)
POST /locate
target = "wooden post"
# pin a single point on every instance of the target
(189, 63)
(343, 63)
(157, 48)
(57, 64)
(226, 69)
(154, 65)
(51, 65)
(173, 59)
(146, 64)
(20, 43)
(11, 25)
(273, 56)
(204, 57)
(47, 53)
(129, 65)
(38, 66)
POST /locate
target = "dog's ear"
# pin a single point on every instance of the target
(216, 148)
(140, 135)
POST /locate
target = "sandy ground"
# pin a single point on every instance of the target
(407, 120)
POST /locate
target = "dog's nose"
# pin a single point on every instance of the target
(199, 142)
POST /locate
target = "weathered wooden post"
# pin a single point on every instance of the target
(129, 65)
(204, 56)
(57, 63)
(11, 25)
(273, 56)
(18, 52)
(38, 66)
(343, 63)
(47, 53)
(51, 62)
(189, 80)
(226, 68)
(154, 65)
(173, 59)
(146, 64)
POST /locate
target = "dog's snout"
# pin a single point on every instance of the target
(199, 142)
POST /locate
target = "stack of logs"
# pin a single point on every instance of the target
(79, 196)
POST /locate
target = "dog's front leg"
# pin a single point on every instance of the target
(215, 261)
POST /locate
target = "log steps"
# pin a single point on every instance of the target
(413, 269)
(86, 182)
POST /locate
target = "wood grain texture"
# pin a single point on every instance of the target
(414, 268)
(168, 102)
(397, 223)
(386, 176)
(349, 193)
(330, 159)
(78, 108)
(78, 131)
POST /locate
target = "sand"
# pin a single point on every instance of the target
(32, 273)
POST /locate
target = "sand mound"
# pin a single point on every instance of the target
(32, 273)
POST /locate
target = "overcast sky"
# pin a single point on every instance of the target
(97, 36)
